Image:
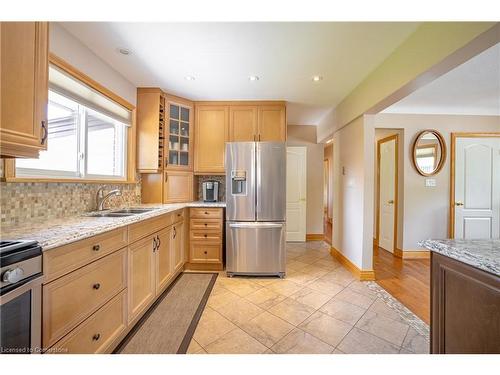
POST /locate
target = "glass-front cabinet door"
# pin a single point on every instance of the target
(179, 137)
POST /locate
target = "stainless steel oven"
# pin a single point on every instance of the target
(20, 297)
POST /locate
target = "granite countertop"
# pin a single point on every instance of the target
(482, 254)
(57, 232)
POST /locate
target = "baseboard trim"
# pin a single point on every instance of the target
(315, 236)
(362, 275)
(412, 254)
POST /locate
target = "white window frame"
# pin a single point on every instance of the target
(82, 155)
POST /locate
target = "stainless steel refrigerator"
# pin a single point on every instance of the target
(255, 208)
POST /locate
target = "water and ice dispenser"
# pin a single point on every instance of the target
(238, 182)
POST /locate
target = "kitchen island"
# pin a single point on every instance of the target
(465, 296)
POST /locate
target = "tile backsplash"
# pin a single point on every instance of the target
(38, 201)
(222, 186)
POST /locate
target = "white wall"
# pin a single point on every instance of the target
(349, 219)
(426, 209)
(301, 135)
(70, 49)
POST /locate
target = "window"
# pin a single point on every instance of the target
(87, 134)
(82, 143)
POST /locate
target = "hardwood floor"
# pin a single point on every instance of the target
(407, 280)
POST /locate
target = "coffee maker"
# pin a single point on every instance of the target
(210, 191)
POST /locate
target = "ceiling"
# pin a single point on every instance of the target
(472, 88)
(221, 57)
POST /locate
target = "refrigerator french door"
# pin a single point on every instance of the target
(255, 208)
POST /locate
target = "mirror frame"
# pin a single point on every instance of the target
(442, 160)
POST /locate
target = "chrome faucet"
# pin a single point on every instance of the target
(101, 198)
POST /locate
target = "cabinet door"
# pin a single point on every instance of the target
(178, 245)
(150, 128)
(164, 259)
(211, 135)
(272, 123)
(243, 123)
(179, 137)
(24, 88)
(178, 187)
(141, 279)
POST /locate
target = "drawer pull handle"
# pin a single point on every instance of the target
(206, 224)
(205, 235)
(206, 213)
(96, 247)
(205, 252)
(158, 239)
(96, 286)
(96, 337)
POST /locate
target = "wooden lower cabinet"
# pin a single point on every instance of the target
(141, 276)
(164, 259)
(465, 308)
(99, 332)
(206, 238)
(178, 246)
(70, 299)
(90, 308)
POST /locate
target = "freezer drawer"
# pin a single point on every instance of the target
(255, 248)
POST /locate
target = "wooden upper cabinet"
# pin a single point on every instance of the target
(24, 88)
(178, 187)
(150, 125)
(272, 123)
(211, 135)
(243, 123)
(179, 134)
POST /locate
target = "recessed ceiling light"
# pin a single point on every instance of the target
(125, 51)
(253, 78)
(189, 78)
(317, 78)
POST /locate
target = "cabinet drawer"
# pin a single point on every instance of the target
(145, 228)
(205, 252)
(97, 333)
(62, 260)
(206, 235)
(72, 298)
(203, 224)
(178, 216)
(206, 213)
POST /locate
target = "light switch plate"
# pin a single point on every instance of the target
(430, 182)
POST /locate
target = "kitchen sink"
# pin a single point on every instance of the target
(133, 210)
(121, 213)
(109, 214)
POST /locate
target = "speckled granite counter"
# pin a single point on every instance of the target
(482, 254)
(58, 232)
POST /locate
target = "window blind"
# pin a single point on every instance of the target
(68, 86)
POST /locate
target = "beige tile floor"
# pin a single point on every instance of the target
(318, 308)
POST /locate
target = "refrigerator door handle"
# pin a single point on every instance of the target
(256, 225)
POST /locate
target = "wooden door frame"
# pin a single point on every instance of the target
(396, 187)
(454, 136)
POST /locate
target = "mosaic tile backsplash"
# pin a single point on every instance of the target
(222, 186)
(38, 201)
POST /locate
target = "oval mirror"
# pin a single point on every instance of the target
(429, 152)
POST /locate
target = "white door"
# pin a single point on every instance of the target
(387, 190)
(477, 188)
(296, 175)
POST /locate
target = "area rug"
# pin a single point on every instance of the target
(168, 326)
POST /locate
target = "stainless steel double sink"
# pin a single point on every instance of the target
(122, 213)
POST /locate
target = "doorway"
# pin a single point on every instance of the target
(296, 192)
(387, 193)
(475, 186)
